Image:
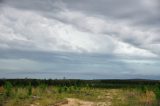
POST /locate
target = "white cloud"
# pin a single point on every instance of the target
(28, 30)
(119, 31)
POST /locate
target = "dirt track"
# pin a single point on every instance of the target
(77, 102)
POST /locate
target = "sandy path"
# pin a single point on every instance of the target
(77, 102)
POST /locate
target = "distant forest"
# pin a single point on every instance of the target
(114, 83)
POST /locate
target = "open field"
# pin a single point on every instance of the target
(30, 92)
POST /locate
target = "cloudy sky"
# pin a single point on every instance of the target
(86, 39)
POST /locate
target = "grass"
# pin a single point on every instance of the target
(48, 95)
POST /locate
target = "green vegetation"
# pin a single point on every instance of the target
(29, 92)
(29, 89)
(8, 88)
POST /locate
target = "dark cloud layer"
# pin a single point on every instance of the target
(142, 12)
(134, 11)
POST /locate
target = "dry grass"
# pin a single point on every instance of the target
(50, 96)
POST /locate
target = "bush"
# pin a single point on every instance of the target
(144, 88)
(157, 93)
(63, 89)
(42, 87)
(8, 88)
(60, 90)
(29, 89)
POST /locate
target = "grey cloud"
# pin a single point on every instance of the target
(89, 23)
(51, 56)
(105, 35)
(80, 65)
(134, 12)
(68, 57)
(1, 1)
(38, 5)
(123, 9)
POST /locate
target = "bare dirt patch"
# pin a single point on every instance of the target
(77, 102)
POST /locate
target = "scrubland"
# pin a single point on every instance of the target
(79, 93)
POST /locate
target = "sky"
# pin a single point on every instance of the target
(80, 39)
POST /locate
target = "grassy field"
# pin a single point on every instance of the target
(85, 94)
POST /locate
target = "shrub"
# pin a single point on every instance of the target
(65, 88)
(60, 90)
(157, 93)
(8, 88)
(144, 88)
(29, 89)
(43, 87)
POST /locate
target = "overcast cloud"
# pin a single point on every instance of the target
(100, 38)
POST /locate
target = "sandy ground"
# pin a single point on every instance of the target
(77, 102)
